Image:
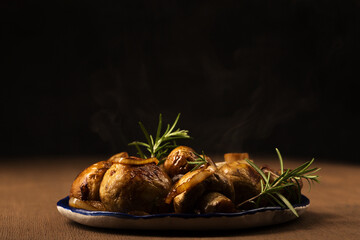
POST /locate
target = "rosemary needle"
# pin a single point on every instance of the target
(289, 178)
(199, 161)
(160, 146)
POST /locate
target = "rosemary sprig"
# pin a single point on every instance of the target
(163, 143)
(199, 161)
(289, 178)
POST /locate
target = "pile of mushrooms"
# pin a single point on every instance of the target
(139, 186)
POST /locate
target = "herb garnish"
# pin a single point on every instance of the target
(163, 143)
(289, 178)
(199, 161)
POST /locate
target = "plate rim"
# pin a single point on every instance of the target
(64, 203)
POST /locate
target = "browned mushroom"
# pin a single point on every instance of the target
(84, 192)
(291, 193)
(186, 193)
(134, 188)
(215, 202)
(176, 162)
(245, 179)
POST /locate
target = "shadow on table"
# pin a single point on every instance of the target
(307, 221)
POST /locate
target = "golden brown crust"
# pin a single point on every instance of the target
(186, 201)
(87, 205)
(136, 160)
(87, 183)
(177, 161)
(115, 158)
(245, 179)
(128, 188)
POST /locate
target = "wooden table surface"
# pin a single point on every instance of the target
(31, 187)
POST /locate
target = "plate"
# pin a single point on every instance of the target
(214, 221)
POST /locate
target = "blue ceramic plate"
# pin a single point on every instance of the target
(214, 221)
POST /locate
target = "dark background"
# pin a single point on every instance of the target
(246, 75)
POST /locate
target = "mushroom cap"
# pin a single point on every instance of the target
(87, 184)
(245, 179)
(186, 201)
(128, 188)
(177, 161)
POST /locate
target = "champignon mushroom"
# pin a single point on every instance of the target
(245, 179)
(291, 193)
(84, 192)
(186, 193)
(135, 188)
(176, 162)
(215, 202)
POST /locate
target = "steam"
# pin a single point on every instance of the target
(224, 104)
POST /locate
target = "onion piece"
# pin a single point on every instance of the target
(188, 181)
(77, 203)
(135, 160)
(118, 156)
(233, 157)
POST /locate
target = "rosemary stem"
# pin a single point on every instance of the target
(250, 199)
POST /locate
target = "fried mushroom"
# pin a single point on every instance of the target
(135, 188)
(186, 193)
(291, 193)
(245, 179)
(214, 202)
(84, 191)
(176, 162)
